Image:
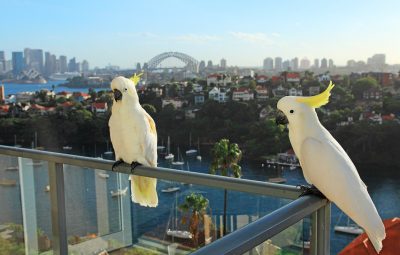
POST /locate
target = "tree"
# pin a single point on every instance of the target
(226, 157)
(198, 206)
(362, 85)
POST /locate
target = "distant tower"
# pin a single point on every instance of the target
(85, 66)
(304, 63)
(17, 62)
(138, 67)
(209, 64)
(294, 63)
(72, 65)
(278, 63)
(63, 64)
(202, 66)
(145, 66)
(223, 64)
(330, 63)
(324, 63)
(286, 65)
(316, 63)
(268, 64)
(2, 61)
(34, 59)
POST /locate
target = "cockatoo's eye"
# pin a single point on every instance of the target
(125, 89)
(291, 111)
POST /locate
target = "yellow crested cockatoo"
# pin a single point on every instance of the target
(134, 138)
(326, 165)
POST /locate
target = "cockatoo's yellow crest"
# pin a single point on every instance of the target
(318, 100)
(136, 78)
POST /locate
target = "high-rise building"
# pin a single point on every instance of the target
(294, 63)
(202, 66)
(268, 64)
(351, 63)
(50, 63)
(316, 63)
(278, 63)
(138, 67)
(324, 63)
(223, 63)
(304, 63)
(330, 63)
(17, 62)
(377, 61)
(2, 61)
(34, 59)
(286, 65)
(63, 64)
(209, 64)
(85, 67)
(72, 67)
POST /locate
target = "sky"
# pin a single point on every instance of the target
(123, 32)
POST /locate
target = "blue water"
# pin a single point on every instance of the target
(81, 201)
(13, 88)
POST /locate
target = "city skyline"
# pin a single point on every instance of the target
(242, 33)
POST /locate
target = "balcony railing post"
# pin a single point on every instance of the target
(58, 216)
(314, 240)
(323, 229)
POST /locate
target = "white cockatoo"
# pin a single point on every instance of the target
(326, 165)
(134, 138)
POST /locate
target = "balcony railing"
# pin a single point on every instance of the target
(241, 241)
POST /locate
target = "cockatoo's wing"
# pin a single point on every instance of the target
(150, 139)
(330, 169)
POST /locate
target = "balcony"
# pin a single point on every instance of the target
(55, 203)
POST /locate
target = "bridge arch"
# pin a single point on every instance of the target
(191, 63)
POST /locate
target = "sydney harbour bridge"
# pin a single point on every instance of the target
(191, 64)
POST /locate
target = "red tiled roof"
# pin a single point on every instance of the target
(4, 108)
(67, 104)
(275, 78)
(264, 77)
(64, 93)
(242, 89)
(293, 75)
(388, 117)
(99, 105)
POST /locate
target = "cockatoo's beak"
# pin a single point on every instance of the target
(280, 118)
(117, 95)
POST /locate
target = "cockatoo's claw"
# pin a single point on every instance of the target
(310, 190)
(134, 165)
(117, 163)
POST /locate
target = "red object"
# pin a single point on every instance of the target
(391, 245)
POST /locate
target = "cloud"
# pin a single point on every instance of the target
(138, 34)
(195, 38)
(253, 37)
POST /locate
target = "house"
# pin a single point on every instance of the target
(324, 77)
(4, 109)
(279, 91)
(295, 92)
(291, 77)
(99, 107)
(261, 93)
(197, 88)
(384, 79)
(372, 94)
(199, 98)
(177, 103)
(42, 110)
(80, 96)
(218, 79)
(191, 113)
(275, 80)
(63, 94)
(242, 94)
(261, 79)
(313, 90)
(266, 112)
(11, 99)
(218, 94)
(24, 97)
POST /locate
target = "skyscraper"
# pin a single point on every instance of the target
(324, 63)
(278, 63)
(138, 67)
(34, 59)
(316, 63)
(330, 63)
(202, 66)
(377, 61)
(268, 64)
(2, 61)
(294, 63)
(72, 65)
(304, 63)
(63, 64)
(85, 66)
(209, 64)
(17, 62)
(286, 65)
(223, 63)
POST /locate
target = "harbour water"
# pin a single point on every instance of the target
(383, 185)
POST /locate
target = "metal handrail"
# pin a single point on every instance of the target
(257, 232)
(243, 185)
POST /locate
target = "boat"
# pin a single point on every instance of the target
(179, 234)
(108, 152)
(119, 192)
(352, 229)
(12, 168)
(103, 175)
(161, 147)
(171, 189)
(63, 76)
(191, 152)
(67, 148)
(277, 180)
(198, 157)
(169, 155)
(47, 188)
(180, 161)
(8, 182)
(292, 167)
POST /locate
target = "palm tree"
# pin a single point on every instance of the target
(226, 157)
(198, 205)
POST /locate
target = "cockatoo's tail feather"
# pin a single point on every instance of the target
(317, 100)
(136, 78)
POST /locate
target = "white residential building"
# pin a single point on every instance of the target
(295, 92)
(242, 94)
(218, 95)
(218, 79)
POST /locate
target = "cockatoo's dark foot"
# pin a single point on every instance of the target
(134, 165)
(117, 163)
(310, 190)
